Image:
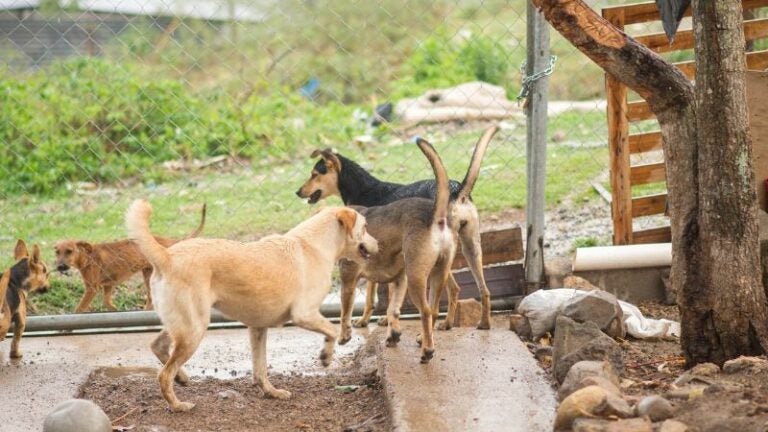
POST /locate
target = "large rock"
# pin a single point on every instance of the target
(599, 307)
(592, 401)
(77, 415)
(577, 375)
(575, 342)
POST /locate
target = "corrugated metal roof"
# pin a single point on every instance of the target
(201, 9)
(18, 4)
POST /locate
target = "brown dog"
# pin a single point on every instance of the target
(106, 265)
(262, 284)
(336, 175)
(416, 248)
(28, 275)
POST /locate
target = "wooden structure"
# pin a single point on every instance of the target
(506, 279)
(621, 113)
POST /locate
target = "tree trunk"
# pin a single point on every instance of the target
(726, 315)
(712, 204)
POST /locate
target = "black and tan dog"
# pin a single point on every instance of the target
(416, 249)
(336, 175)
(27, 275)
(106, 265)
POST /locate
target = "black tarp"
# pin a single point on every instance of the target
(672, 12)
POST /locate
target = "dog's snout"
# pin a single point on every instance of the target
(62, 267)
(298, 193)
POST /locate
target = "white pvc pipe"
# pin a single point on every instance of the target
(623, 257)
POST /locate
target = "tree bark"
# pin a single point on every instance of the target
(713, 267)
(726, 316)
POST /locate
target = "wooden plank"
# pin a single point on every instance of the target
(649, 205)
(647, 173)
(645, 142)
(618, 145)
(645, 12)
(502, 281)
(639, 110)
(756, 60)
(498, 247)
(653, 235)
(753, 29)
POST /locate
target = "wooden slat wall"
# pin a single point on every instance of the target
(622, 113)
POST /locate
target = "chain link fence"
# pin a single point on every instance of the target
(222, 102)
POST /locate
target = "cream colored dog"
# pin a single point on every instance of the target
(262, 284)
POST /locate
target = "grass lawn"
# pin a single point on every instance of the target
(249, 201)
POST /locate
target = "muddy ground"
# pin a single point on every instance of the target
(711, 402)
(339, 402)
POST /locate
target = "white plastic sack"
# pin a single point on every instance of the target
(543, 306)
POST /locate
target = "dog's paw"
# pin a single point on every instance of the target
(17, 354)
(360, 323)
(344, 339)
(444, 325)
(326, 358)
(182, 407)
(383, 322)
(426, 355)
(484, 325)
(393, 338)
(279, 394)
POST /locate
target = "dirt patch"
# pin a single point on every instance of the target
(345, 402)
(714, 401)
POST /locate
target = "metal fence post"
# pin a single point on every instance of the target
(538, 59)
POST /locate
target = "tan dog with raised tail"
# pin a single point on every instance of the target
(262, 284)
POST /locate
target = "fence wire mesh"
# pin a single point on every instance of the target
(222, 102)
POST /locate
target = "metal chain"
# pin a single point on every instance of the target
(529, 80)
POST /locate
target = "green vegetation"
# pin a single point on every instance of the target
(232, 89)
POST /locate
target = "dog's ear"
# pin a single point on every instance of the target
(347, 218)
(84, 246)
(20, 251)
(332, 161)
(35, 258)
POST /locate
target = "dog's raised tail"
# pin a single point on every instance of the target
(199, 228)
(474, 165)
(443, 193)
(137, 222)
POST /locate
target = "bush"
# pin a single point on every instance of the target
(440, 62)
(93, 120)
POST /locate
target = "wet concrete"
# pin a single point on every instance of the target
(479, 380)
(53, 368)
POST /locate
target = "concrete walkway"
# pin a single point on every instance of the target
(478, 380)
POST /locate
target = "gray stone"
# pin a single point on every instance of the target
(556, 269)
(77, 415)
(744, 363)
(575, 378)
(705, 369)
(673, 426)
(520, 325)
(575, 342)
(655, 408)
(599, 307)
(229, 394)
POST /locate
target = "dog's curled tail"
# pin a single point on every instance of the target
(443, 193)
(199, 228)
(474, 165)
(137, 222)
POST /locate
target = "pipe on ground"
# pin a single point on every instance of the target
(138, 319)
(623, 257)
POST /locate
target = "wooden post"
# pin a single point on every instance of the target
(538, 59)
(618, 144)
